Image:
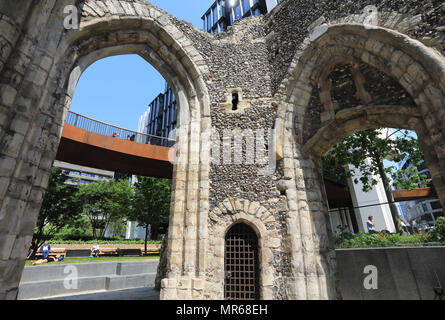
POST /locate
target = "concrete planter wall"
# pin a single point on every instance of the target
(403, 273)
(50, 280)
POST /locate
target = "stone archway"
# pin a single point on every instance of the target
(220, 220)
(241, 263)
(40, 96)
(416, 68)
(41, 62)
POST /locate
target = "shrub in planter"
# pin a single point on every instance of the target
(437, 234)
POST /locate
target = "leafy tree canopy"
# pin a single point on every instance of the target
(105, 202)
(59, 208)
(151, 202)
(366, 151)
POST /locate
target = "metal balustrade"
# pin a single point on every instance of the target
(96, 126)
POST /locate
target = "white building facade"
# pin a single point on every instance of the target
(373, 203)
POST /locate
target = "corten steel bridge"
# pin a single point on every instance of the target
(89, 142)
(92, 143)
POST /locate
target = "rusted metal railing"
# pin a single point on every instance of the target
(106, 129)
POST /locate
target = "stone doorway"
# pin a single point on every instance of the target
(241, 264)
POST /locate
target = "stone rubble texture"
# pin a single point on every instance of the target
(288, 66)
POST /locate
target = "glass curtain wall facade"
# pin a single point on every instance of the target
(160, 119)
(223, 13)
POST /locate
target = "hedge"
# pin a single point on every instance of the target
(59, 241)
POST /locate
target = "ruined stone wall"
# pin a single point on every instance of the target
(41, 62)
(273, 64)
(28, 134)
(291, 23)
(238, 59)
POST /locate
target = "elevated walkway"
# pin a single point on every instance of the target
(96, 144)
(92, 143)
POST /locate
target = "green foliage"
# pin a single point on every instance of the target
(59, 208)
(105, 202)
(438, 232)
(90, 240)
(77, 229)
(365, 240)
(151, 202)
(366, 150)
(81, 214)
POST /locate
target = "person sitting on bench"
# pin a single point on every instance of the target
(45, 250)
(96, 249)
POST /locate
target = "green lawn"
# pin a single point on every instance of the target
(100, 259)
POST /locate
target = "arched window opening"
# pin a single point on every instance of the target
(241, 264)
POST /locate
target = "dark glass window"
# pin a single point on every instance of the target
(437, 215)
(222, 9)
(209, 21)
(215, 14)
(237, 12)
(436, 205)
(246, 6)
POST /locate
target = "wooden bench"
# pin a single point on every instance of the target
(151, 251)
(132, 252)
(108, 252)
(52, 253)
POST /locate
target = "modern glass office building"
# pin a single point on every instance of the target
(160, 118)
(223, 13)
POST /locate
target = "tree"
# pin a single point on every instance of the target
(366, 151)
(59, 208)
(105, 202)
(151, 204)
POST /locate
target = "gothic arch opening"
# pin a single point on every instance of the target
(158, 47)
(335, 88)
(362, 61)
(46, 95)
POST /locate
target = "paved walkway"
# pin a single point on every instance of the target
(128, 294)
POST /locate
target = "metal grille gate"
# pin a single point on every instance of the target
(241, 264)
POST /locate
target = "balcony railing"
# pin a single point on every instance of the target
(92, 125)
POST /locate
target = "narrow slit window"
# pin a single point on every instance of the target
(235, 101)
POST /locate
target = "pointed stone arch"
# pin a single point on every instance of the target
(41, 98)
(418, 69)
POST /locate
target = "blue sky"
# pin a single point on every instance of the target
(118, 89)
